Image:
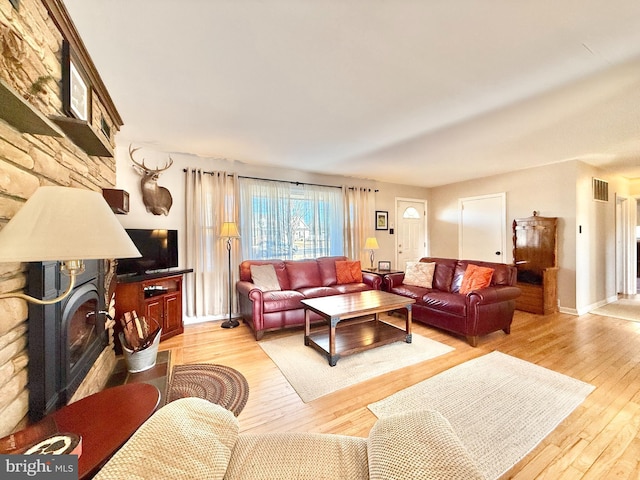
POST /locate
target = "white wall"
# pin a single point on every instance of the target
(549, 190)
(174, 179)
(596, 247)
(587, 260)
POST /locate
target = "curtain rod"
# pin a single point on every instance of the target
(283, 181)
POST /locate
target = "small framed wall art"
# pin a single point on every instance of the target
(76, 91)
(382, 220)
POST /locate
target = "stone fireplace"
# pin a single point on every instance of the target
(35, 151)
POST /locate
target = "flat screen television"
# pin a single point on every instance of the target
(159, 249)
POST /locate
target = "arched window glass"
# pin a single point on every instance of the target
(411, 212)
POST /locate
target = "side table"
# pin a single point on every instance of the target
(104, 420)
(381, 273)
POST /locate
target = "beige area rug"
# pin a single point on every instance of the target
(501, 407)
(625, 308)
(311, 377)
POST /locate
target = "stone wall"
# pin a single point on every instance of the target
(30, 63)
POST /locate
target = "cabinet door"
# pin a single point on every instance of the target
(173, 313)
(154, 311)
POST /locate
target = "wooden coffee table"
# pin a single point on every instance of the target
(361, 331)
(104, 420)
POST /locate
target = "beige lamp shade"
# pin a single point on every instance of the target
(371, 243)
(63, 223)
(230, 230)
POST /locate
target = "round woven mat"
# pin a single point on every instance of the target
(222, 385)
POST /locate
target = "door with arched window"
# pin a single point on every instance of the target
(411, 231)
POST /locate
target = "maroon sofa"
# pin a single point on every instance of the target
(266, 311)
(479, 312)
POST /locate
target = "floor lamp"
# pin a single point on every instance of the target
(230, 230)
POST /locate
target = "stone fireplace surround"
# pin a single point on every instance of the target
(31, 40)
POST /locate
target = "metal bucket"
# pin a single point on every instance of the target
(142, 359)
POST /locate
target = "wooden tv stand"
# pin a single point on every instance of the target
(156, 296)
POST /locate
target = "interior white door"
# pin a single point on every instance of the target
(411, 223)
(482, 228)
(626, 274)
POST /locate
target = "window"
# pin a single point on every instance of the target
(290, 221)
(411, 212)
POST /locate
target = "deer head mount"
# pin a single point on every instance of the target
(157, 199)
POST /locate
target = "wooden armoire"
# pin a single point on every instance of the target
(535, 255)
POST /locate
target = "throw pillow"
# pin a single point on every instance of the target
(348, 271)
(419, 274)
(265, 278)
(475, 277)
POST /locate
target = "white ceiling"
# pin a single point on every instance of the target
(419, 92)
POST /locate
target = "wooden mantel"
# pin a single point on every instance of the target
(62, 19)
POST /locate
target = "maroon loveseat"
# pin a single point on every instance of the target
(479, 312)
(271, 310)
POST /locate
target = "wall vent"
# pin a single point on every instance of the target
(600, 190)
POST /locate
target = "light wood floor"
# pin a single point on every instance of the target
(599, 440)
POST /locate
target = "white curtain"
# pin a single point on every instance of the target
(288, 220)
(210, 201)
(359, 221)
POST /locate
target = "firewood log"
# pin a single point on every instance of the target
(145, 327)
(138, 325)
(130, 333)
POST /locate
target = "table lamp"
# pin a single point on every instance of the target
(63, 224)
(371, 244)
(230, 230)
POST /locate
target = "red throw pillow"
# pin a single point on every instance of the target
(348, 272)
(475, 278)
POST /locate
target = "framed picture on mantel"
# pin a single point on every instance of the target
(76, 91)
